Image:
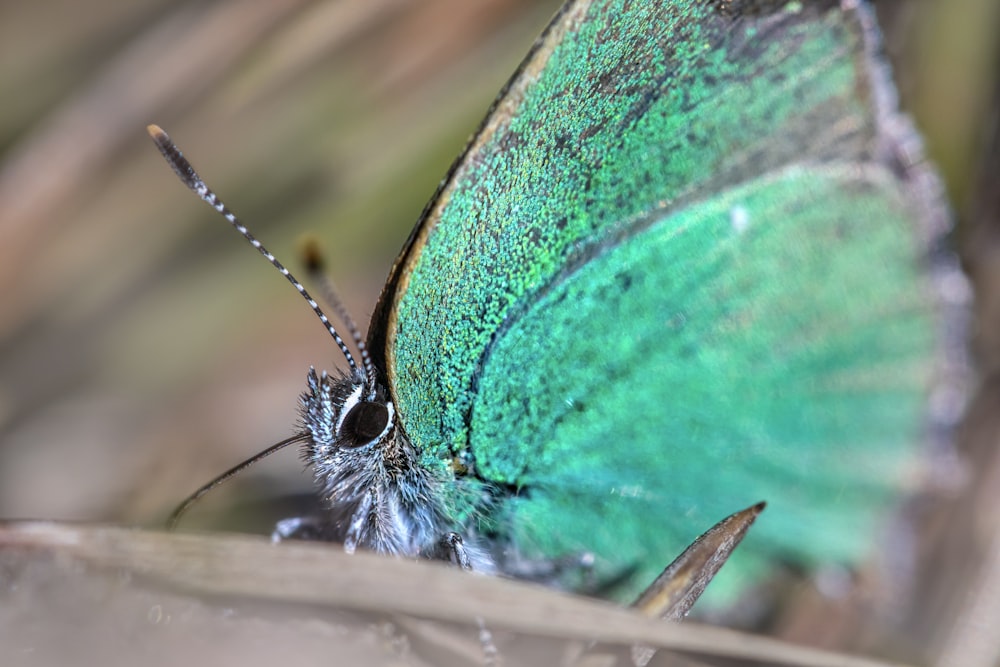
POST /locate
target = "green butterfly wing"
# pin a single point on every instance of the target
(647, 403)
(677, 272)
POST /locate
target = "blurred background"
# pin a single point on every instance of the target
(144, 348)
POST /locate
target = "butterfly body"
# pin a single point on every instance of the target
(677, 271)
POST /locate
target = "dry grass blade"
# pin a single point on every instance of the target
(247, 571)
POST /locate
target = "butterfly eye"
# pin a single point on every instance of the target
(365, 422)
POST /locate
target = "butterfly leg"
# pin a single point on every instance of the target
(556, 573)
(451, 547)
(298, 528)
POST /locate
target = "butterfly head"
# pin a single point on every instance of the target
(370, 477)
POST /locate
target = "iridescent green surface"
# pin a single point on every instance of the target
(676, 274)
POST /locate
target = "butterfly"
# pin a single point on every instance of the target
(681, 267)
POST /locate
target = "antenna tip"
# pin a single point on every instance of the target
(155, 130)
(311, 254)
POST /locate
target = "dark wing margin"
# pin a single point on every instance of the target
(502, 108)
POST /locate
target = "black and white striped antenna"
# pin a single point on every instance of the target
(193, 181)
